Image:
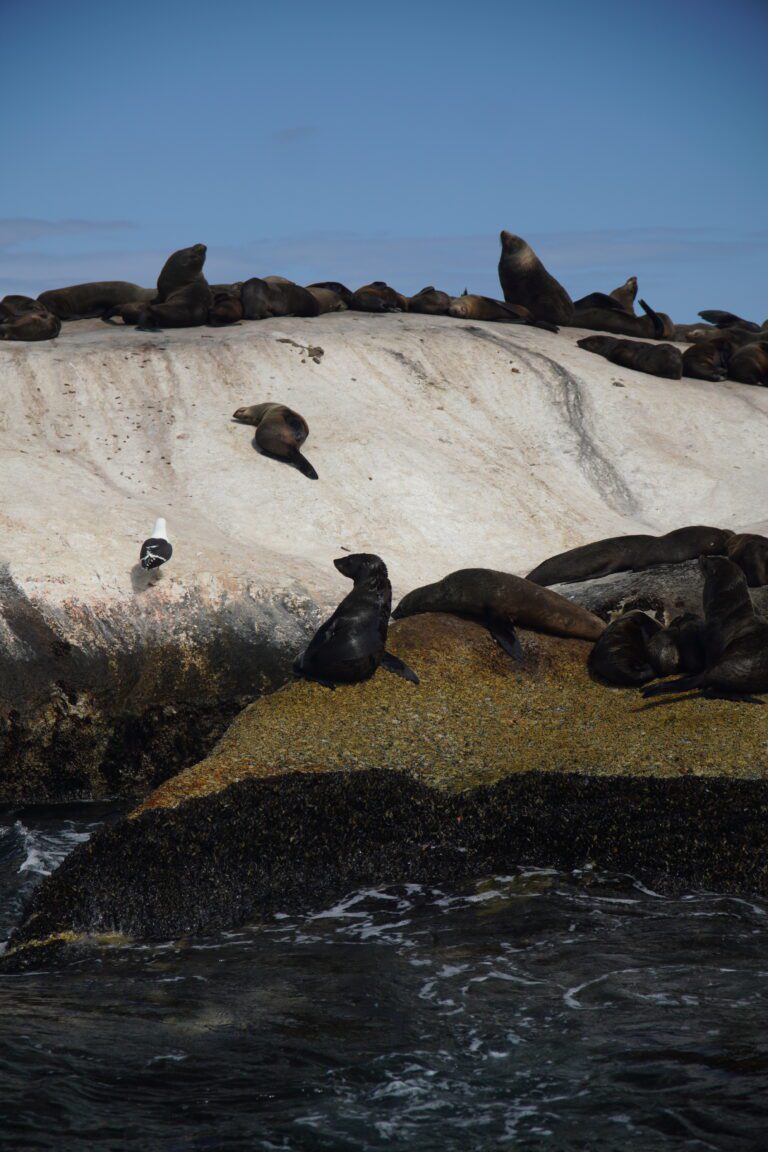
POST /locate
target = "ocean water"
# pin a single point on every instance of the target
(533, 1010)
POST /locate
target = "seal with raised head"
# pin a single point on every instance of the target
(625, 294)
(525, 280)
(183, 293)
(620, 655)
(749, 365)
(500, 601)
(654, 359)
(377, 297)
(429, 302)
(86, 301)
(679, 647)
(280, 433)
(627, 553)
(750, 552)
(351, 644)
(736, 638)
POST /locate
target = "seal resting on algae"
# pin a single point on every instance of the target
(351, 644)
(500, 600)
(620, 656)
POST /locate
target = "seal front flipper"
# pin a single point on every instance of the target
(302, 464)
(506, 637)
(395, 665)
(658, 323)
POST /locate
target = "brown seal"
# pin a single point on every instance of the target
(227, 305)
(183, 293)
(86, 301)
(280, 433)
(728, 320)
(630, 553)
(679, 647)
(471, 307)
(377, 297)
(601, 313)
(708, 359)
(334, 286)
(525, 280)
(501, 599)
(620, 655)
(27, 320)
(327, 299)
(736, 638)
(430, 302)
(655, 359)
(625, 294)
(749, 365)
(275, 296)
(750, 552)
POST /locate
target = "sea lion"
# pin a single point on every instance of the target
(501, 601)
(679, 647)
(750, 552)
(728, 320)
(602, 313)
(334, 286)
(620, 655)
(736, 638)
(377, 297)
(227, 306)
(430, 302)
(274, 296)
(525, 280)
(625, 294)
(30, 325)
(470, 307)
(12, 305)
(655, 359)
(280, 433)
(86, 301)
(183, 293)
(708, 359)
(626, 553)
(327, 300)
(351, 644)
(749, 365)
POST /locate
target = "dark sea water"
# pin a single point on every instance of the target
(534, 1010)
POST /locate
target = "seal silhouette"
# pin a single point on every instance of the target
(620, 655)
(280, 433)
(654, 359)
(183, 293)
(736, 638)
(500, 601)
(524, 280)
(627, 553)
(351, 644)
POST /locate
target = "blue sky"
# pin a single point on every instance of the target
(390, 141)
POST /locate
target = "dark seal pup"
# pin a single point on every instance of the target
(351, 644)
(500, 601)
(749, 365)
(654, 359)
(86, 301)
(227, 305)
(27, 320)
(524, 280)
(627, 553)
(430, 302)
(620, 655)
(750, 552)
(679, 647)
(183, 294)
(736, 639)
(709, 359)
(280, 433)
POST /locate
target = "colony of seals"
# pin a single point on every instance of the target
(280, 433)
(351, 644)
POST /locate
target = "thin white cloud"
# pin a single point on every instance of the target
(294, 134)
(21, 230)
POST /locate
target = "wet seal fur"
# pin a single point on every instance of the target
(351, 644)
(628, 553)
(736, 638)
(620, 655)
(500, 601)
(654, 359)
(87, 301)
(524, 280)
(183, 293)
(280, 433)
(750, 552)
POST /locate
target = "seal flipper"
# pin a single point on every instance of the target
(395, 665)
(727, 320)
(302, 464)
(682, 684)
(506, 638)
(658, 323)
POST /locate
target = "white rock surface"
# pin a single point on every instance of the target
(439, 444)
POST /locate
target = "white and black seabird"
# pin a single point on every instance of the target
(157, 549)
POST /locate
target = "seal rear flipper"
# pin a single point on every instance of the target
(683, 684)
(727, 320)
(302, 464)
(658, 323)
(395, 665)
(547, 325)
(506, 638)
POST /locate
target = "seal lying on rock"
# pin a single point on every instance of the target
(602, 313)
(430, 302)
(27, 322)
(334, 286)
(679, 647)
(750, 552)
(328, 300)
(524, 280)
(280, 433)
(377, 297)
(470, 307)
(227, 306)
(620, 655)
(351, 644)
(709, 359)
(749, 365)
(655, 359)
(622, 553)
(736, 638)
(274, 296)
(86, 301)
(500, 601)
(183, 293)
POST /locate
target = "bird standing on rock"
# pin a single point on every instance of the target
(157, 549)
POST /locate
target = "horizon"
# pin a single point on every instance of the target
(357, 156)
